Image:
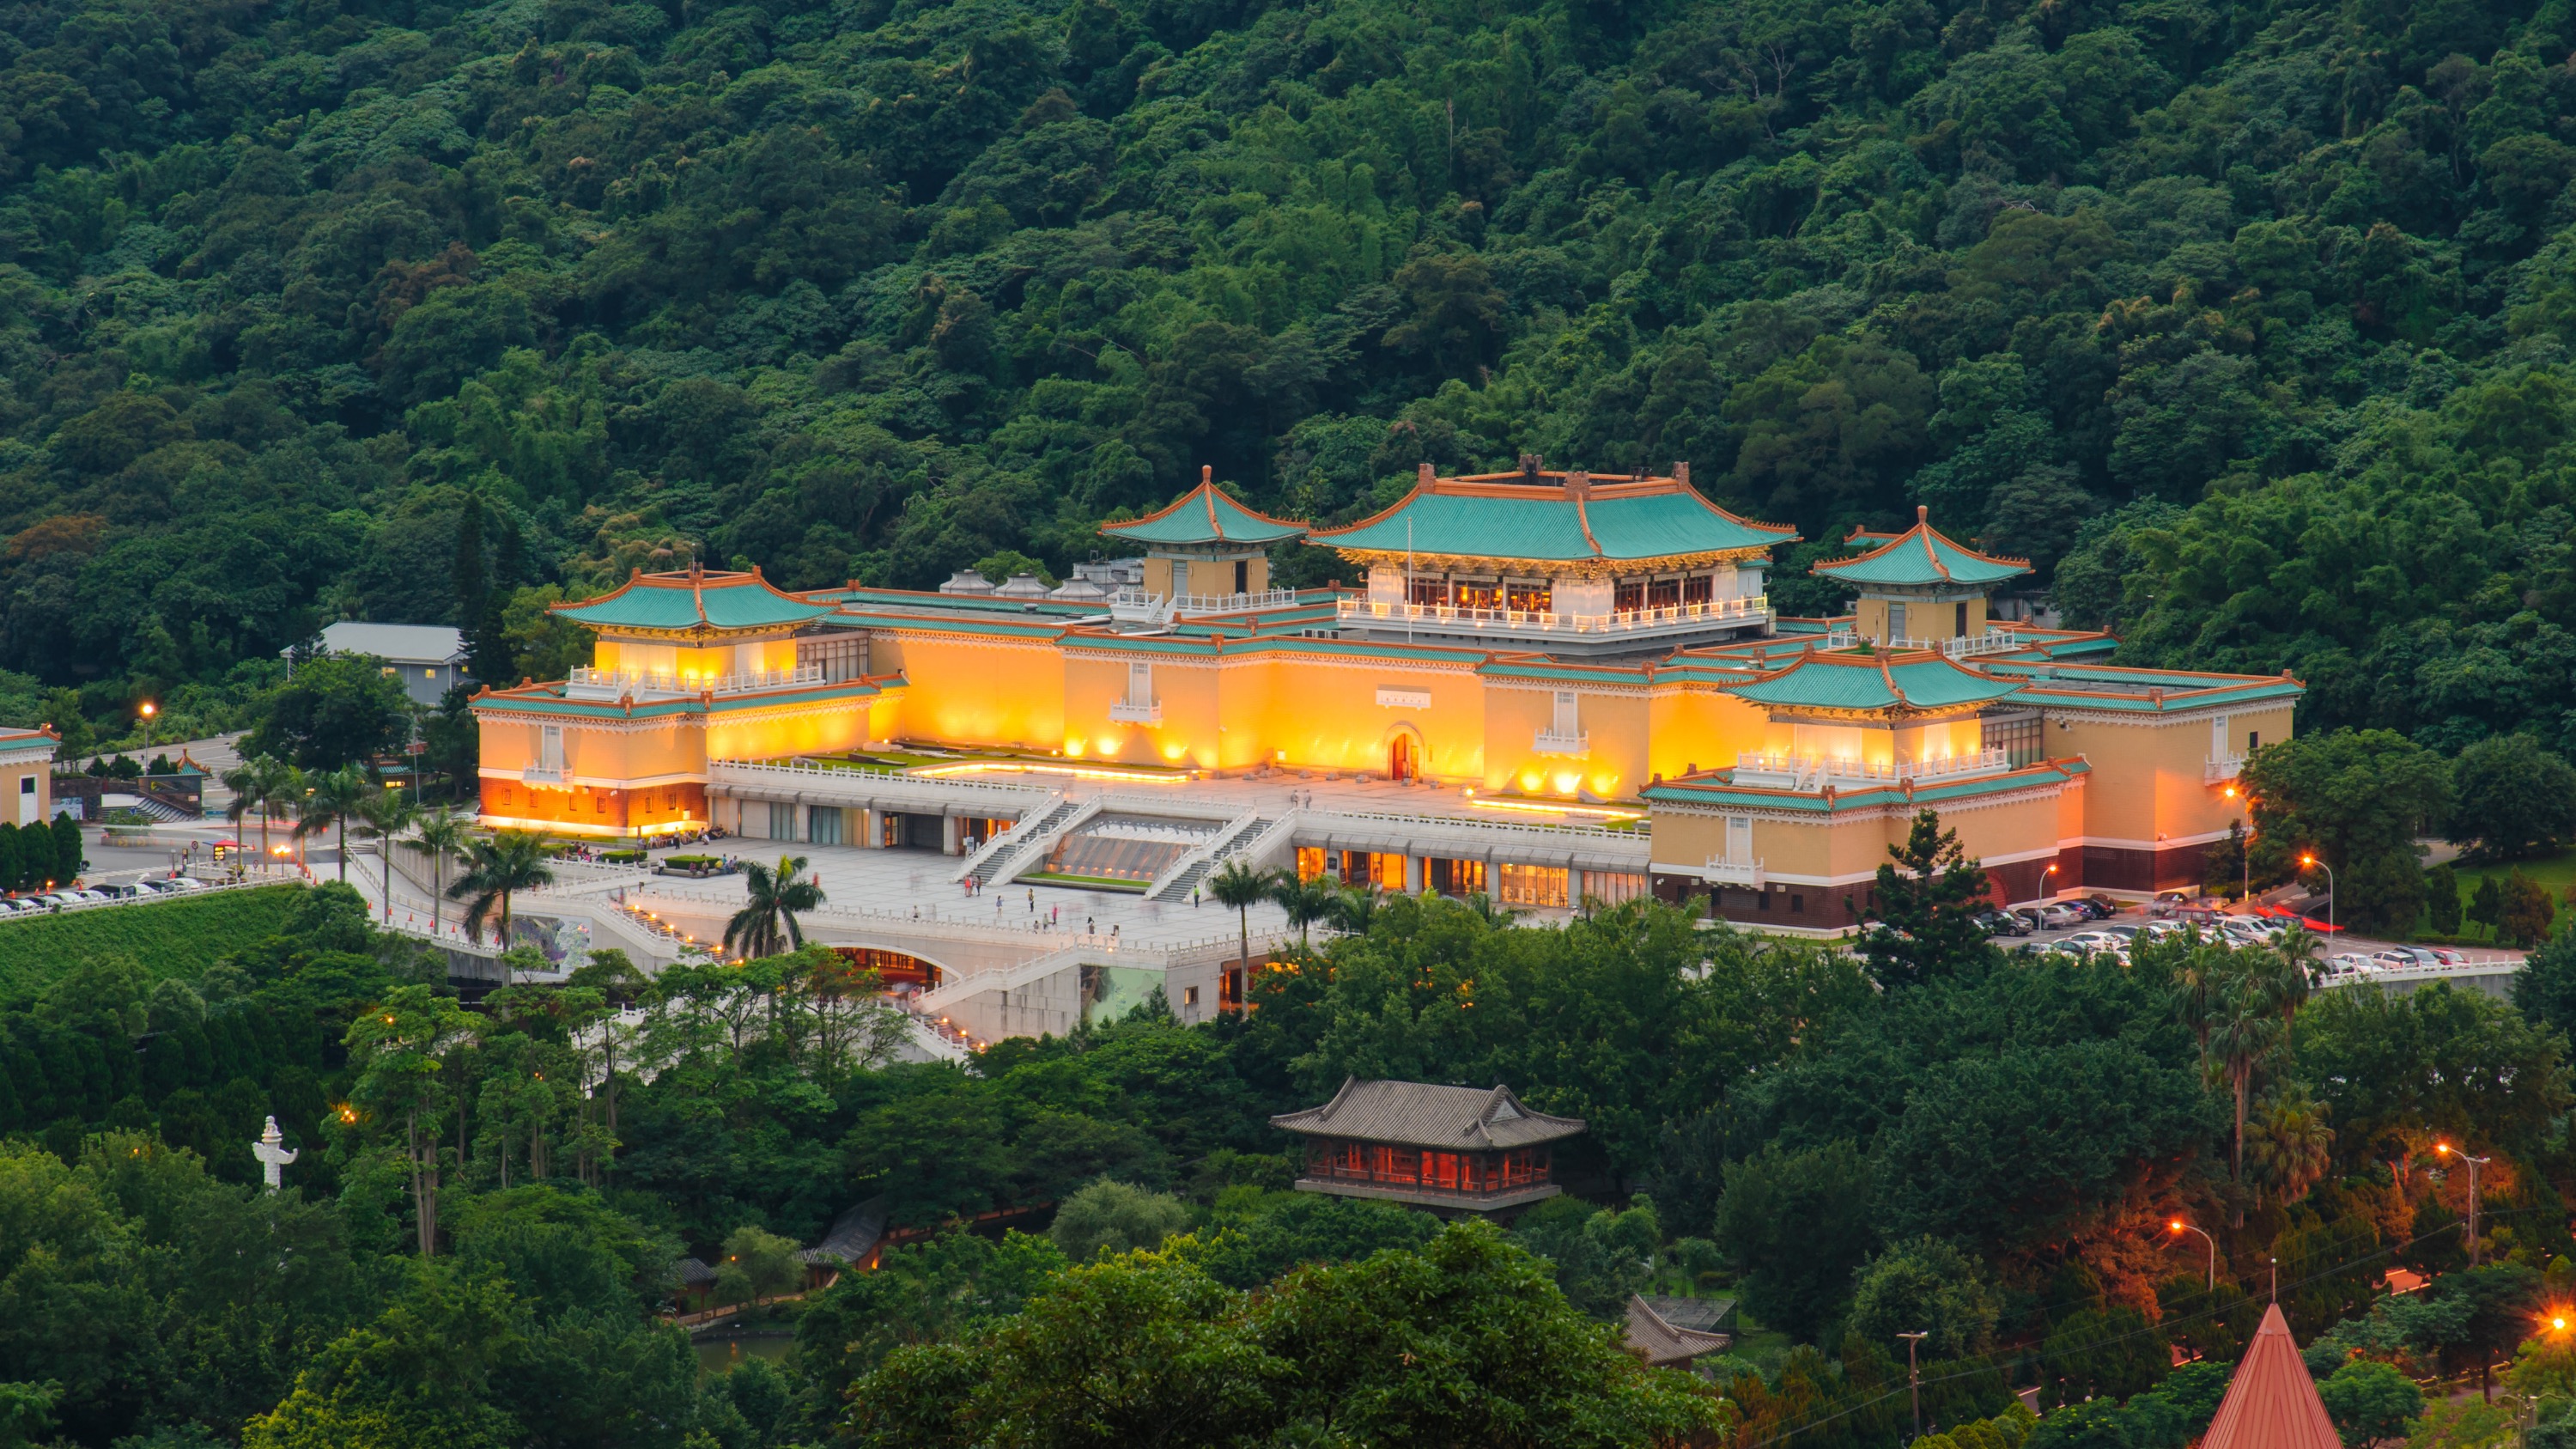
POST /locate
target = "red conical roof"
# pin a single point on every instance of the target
(2272, 1403)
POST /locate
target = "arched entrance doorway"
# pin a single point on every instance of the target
(1402, 754)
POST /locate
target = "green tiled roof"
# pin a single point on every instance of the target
(1615, 522)
(1866, 681)
(1719, 791)
(2140, 691)
(1920, 555)
(550, 699)
(693, 601)
(1202, 516)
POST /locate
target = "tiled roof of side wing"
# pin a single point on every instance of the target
(693, 600)
(1205, 515)
(1548, 522)
(1868, 681)
(2093, 686)
(866, 602)
(549, 699)
(1920, 555)
(1719, 790)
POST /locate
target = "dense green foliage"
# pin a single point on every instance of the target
(1986, 1150)
(177, 938)
(2254, 315)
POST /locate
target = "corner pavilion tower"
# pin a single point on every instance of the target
(1204, 554)
(1920, 590)
(1561, 563)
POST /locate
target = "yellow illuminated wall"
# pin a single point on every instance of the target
(1613, 724)
(1696, 727)
(974, 689)
(708, 661)
(770, 732)
(1924, 618)
(2150, 780)
(1327, 714)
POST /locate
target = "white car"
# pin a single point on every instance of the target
(2090, 942)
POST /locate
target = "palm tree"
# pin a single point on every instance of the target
(2201, 982)
(261, 783)
(438, 835)
(495, 870)
(775, 896)
(2289, 1143)
(1240, 886)
(2296, 949)
(2245, 1034)
(387, 815)
(1493, 915)
(1355, 906)
(333, 798)
(1305, 901)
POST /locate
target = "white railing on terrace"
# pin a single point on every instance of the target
(2222, 767)
(1969, 646)
(1549, 742)
(1314, 821)
(1728, 870)
(1799, 773)
(613, 682)
(544, 775)
(871, 776)
(1132, 604)
(1129, 712)
(1751, 609)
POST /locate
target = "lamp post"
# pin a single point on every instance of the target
(2447, 1150)
(149, 709)
(2179, 1226)
(2310, 860)
(1914, 1378)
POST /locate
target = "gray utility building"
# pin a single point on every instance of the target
(430, 658)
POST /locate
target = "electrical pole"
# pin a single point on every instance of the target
(2447, 1150)
(1914, 1379)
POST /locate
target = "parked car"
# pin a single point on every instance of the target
(2059, 917)
(2003, 923)
(2105, 904)
(2093, 941)
(2028, 916)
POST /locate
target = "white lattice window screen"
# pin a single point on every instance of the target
(550, 747)
(1140, 685)
(2218, 738)
(1739, 837)
(1566, 713)
(1896, 621)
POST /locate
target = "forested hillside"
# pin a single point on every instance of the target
(2247, 322)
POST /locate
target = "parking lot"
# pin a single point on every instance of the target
(2111, 926)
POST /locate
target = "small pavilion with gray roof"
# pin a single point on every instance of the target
(1449, 1149)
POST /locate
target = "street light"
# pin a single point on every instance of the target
(2313, 863)
(1914, 1378)
(2447, 1150)
(149, 709)
(2179, 1226)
